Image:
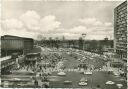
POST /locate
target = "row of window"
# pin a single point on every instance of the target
(121, 45)
(121, 20)
(121, 36)
(121, 12)
(121, 39)
(121, 7)
(121, 28)
(122, 53)
(121, 48)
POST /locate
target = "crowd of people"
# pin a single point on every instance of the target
(42, 66)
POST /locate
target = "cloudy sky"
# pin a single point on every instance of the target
(57, 19)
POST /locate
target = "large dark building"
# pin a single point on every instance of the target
(14, 44)
(120, 30)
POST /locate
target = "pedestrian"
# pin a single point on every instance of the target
(98, 87)
(36, 83)
(46, 86)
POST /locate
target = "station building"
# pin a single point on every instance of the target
(14, 44)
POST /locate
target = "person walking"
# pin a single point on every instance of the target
(36, 83)
(98, 87)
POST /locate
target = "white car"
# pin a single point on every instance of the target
(119, 85)
(67, 82)
(110, 82)
(61, 73)
(82, 83)
(88, 72)
(116, 73)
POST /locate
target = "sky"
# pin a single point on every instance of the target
(36, 19)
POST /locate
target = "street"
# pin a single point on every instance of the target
(68, 63)
(97, 78)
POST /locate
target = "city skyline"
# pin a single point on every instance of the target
(57, 19)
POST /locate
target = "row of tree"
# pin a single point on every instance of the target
(88, 45)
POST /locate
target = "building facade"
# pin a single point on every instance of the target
(13, 44)
(120, 30)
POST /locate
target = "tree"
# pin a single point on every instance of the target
(63, 38)
(39, 37)
(80, 43)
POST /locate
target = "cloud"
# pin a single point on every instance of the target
(13, 0)
(21, 32)
(108, 24)
(66, 35)
(94, 22)
(74, 30)
(95, 37)
(49, 23)
(34, 22)
(12, 24)
(31, 24)
(78, 30)
(91, 21)
(31, 20)
(20, 26)
(97, 29)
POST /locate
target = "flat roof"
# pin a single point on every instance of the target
(16, 37)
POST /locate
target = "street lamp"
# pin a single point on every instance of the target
(83, 36)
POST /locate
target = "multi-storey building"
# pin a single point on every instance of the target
(120, 30)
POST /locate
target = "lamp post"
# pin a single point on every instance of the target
(83, 36)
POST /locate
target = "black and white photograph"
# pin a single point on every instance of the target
(63, 44)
